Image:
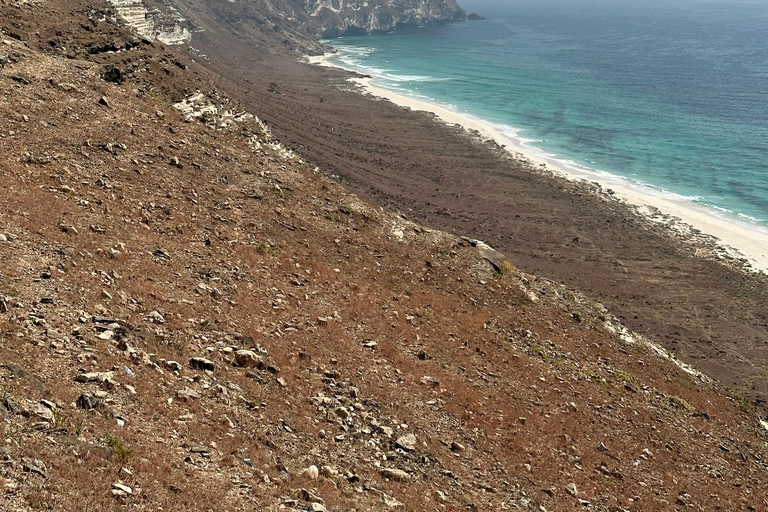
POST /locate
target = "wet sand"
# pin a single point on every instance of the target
(667, 284)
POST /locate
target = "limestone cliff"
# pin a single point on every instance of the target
(332, 18)
(293, 24)
(162, 23)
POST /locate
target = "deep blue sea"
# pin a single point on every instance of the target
(671, 95)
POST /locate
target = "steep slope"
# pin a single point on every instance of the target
(194, 318)
(191, 321)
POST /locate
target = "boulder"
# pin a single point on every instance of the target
(201, 363)
(248, 359)
(397, 475)
(407, 442)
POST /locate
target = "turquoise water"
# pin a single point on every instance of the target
(672, 96)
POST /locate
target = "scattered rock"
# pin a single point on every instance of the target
(35, 466)
(106, 335)
(457, 447)
(328, 472)
(42, 412)
(430, 381)
(311, 472)
(248, 359)
(94, 376)
(187, 394)
(407, 442)
(397, 475)
(88, 402)
(3, 238)
(162, 253)
(120, 490)
(174, 366)
(310, 497)
(571, 489)
(201, 363)
(103, 101)
(201, 450)
(391, 502)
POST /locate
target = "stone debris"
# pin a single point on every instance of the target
(35, 466)
(311, 472)
(120, 490)
(95, 376)
(202, 363)
(395, 474)
(249, 359)
(407, 442)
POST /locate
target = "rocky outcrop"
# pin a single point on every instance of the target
(164, 25)
(333, 18)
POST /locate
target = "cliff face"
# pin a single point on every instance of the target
(332, 18)
(294, 25)
(165, 24)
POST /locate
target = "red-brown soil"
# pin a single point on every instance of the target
(393, 358)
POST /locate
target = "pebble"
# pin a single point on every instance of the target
(3, 238)
(571, 489)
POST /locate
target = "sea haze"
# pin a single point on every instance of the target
(672, 95)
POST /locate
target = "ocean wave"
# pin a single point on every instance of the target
(352, 61)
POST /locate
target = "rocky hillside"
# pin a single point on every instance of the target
(192, 317)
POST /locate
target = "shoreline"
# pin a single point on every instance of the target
(734, 238)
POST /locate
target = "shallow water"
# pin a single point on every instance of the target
(672, 96)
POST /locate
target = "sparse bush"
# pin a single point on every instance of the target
(121, 451)
(626, 377)
(681, 403)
